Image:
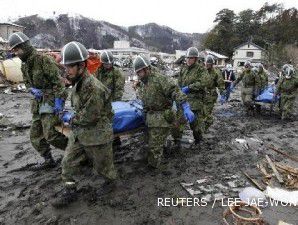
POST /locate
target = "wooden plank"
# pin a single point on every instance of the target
(254, 181)
(263, 170)
(279, 178)
(287, 168)
(283, 153)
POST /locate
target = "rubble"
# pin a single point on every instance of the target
(8, 91)
(276, 173)
(283, 153)
(241, 213)
(209, 188)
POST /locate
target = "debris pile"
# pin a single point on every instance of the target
(241, 213)
(210, 188)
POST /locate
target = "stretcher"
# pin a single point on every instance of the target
(128, 118)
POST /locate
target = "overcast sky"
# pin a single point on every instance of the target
(182, 15)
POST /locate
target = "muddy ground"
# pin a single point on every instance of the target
(25, 195)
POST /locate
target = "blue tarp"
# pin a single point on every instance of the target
(266, 95)
(127, 116)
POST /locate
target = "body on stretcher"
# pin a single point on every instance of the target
(128, 118)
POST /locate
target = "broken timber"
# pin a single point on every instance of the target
(283, 153)
(279, 178)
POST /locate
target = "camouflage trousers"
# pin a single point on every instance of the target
(287, 105)
(247, 99)
(43, 133)
(197, 127)
(76, 154)
(156, 138)
(210, 103)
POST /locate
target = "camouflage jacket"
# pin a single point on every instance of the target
(216, 81)
(249, 80)
(158, 96)
(113, 80)
(40, 71)
(263, 79)
(287, 86)
(196, 79)
(93, 111)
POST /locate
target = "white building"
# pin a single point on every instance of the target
(121, 44)
(6, 29)
(180, 53)
(3, 44)
(220, 60)
(124, 50)
(128, 52)
(166, 57)
(248, 51)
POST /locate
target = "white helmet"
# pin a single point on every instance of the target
(229, 67)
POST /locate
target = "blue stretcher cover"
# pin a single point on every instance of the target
(266, 95)
(127, 116)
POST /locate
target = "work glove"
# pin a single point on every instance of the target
(58, 107)
(37, 93)
(67, 116)
(185, 90)
(188, 114)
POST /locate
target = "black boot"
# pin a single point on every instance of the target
(196, 144)
(258, 109)
(68, 195)
(177, 145)
(198, 139)
(48, 163)
(117, 142)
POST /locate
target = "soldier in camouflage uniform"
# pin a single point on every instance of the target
(250, 89)
(112, 78)
(41, 76)
(91, 132)
(216, 81)
(263, 77)
(193, 81)
(287, 88)
(158, 93)
(263, 82)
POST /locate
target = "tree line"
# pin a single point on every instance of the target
(272, 27)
